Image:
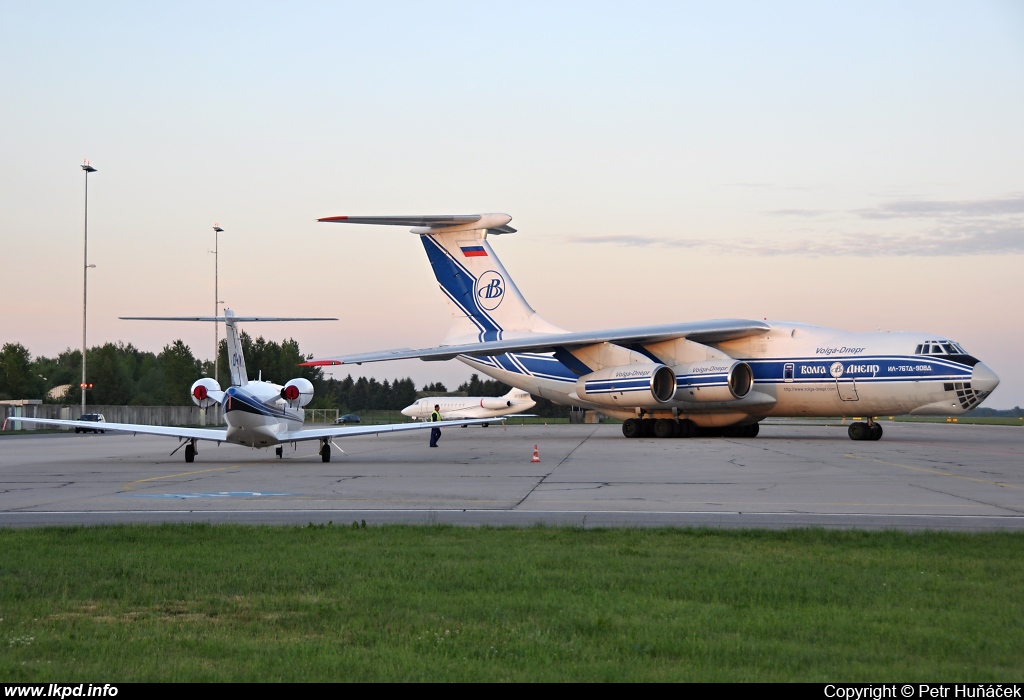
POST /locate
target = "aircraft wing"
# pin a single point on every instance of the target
(700, 332)
(189, 433)
(351, 431)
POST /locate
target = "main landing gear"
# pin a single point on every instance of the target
(325, 450)
(191, 450)
(279, 451)
(865, 431)
(686, 428)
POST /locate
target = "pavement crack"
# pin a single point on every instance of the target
(543, 478)
(972, 500)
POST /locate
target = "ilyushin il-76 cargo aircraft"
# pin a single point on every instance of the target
(718, 377)
(258, 413)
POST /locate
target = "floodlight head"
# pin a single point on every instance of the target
(88, 168)
(217, 229)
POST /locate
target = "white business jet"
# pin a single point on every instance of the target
(718, 377)
(258, 414)
(452, 407)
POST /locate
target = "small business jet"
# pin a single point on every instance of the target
(713, 378)
(452, 407)
(258, 414)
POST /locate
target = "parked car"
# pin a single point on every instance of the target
(91, 418)
(348, 418)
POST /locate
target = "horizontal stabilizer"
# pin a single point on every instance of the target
(492, 223)
(222, 319)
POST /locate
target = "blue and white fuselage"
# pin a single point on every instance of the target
(797, 370)
(257, 416)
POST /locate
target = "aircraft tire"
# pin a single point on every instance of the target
(687, 428)
(279, 451)
(858, 431)
(484, 425)
(664, 428)
(631, 427)
(876, 432)
(753, 430)
(646, 427)
(325, 453)
(190, 453)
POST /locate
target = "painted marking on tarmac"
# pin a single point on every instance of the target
(214, 494)
(130, 484)
(936, 472)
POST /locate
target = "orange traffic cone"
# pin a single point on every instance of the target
(536, 454)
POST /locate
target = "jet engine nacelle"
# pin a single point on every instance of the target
(646, 385)
(206, 392)
(495, 404)
(713, 380)
(297, 392)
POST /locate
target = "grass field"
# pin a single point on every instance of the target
(191, 603)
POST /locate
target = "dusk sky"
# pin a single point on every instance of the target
(852, 165)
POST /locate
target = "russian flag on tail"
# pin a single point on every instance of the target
(473, 251)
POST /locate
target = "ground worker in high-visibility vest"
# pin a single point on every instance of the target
(435, 433)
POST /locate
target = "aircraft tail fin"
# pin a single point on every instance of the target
(485, 303)
(236, 358)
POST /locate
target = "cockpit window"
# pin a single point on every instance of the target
(939, 347)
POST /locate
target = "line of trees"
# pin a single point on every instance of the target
(124, 375)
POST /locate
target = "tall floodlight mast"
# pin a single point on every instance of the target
(85, 275)
(216, 300)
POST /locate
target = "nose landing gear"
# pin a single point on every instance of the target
(865, 431)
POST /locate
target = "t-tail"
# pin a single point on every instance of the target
(485, 303)
(236, 358)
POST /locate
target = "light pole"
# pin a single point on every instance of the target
(216, 302)
(85, 274)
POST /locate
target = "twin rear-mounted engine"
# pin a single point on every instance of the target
(206, 392)
(495, 404)
(653, 385)
(297, 392)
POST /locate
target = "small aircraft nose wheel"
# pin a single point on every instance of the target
(190, 452)
(280, 451)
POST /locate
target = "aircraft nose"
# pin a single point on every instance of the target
(983, 379)
(407, 411)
